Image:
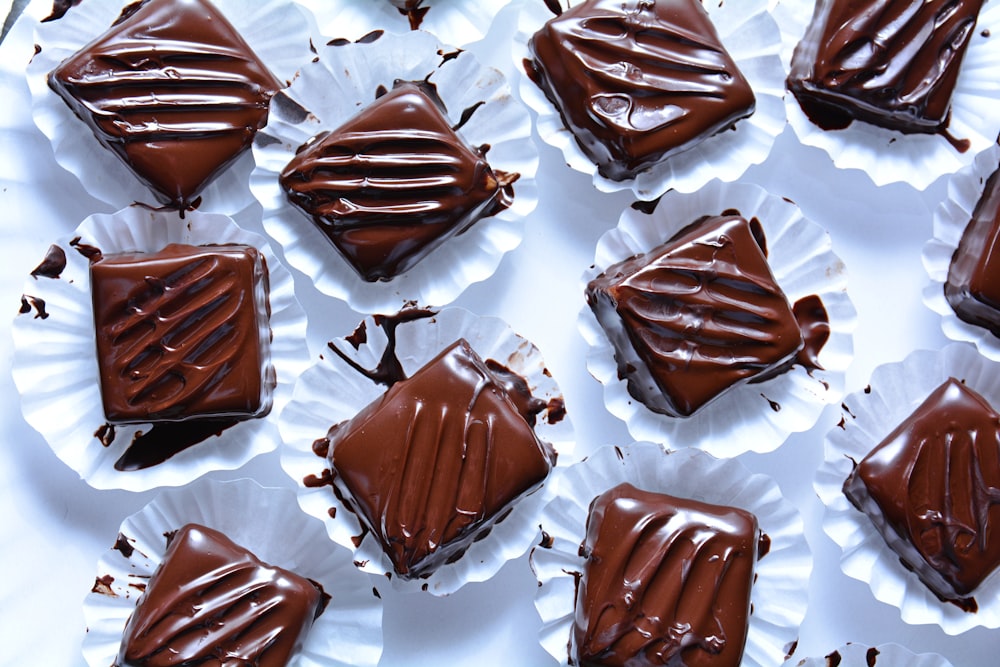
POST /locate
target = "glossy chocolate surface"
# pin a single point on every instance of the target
(394, 182)
(437, 460)
(212, 602)
(173, 91)
(973, 284)
(638, 81)
(182, 333)
(932, 488)
(696, 316)
(667, 582)
(893, 63)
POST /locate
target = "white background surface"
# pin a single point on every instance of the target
(53, 527)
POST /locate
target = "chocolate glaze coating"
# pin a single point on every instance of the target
(695, 316)
(638, 81)
(667, 582)
(437, 460)
(182, 333)
(973, 284)
(932, 489)
(173, 91)
(212, 602)
(394, 182)
(893, 63)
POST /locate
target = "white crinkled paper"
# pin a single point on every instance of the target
(887, 655)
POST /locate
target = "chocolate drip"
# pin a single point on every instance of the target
(28, 302)
(814, 323)
(389, 370)
(52, 265)
(165, 439)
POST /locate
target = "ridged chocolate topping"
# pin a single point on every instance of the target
(394, 182)
(212, 602)
(637, 81)
(173, 91)
(932, 488)
(437, 460)
(695, 316)
(182, 333)
(667, 582)
(893, 63)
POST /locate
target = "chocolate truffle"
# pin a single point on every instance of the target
(696, 315)
(667, 582)
(973, 284)
(892, 63)
(212, 602)
(394, 182)
(437, 460)
(182, 333)
(173, 91)
(932, 489)
(638, 81)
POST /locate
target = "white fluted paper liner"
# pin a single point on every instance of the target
(55, 359)
(331, 392)
(267, 522)
(780, 590)
(457, 22)
(951, 217)
(895, 391)
(278, 31)
(885, 655)
(752, 416)
(888, 156)
(751, 36)
(333, 89)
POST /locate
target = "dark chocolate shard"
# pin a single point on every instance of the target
(932, 489)
(173, 91)
(892, 63)
(667, 581)
(695, 316)
(437, 460)
(211, 601)
(393, 183)
(638, 81)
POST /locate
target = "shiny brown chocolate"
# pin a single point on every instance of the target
(212, 602)
(667, 582)
(437, 460)
(182, 333)
(973, 284)
(932, 489)
(638, 81)
(173, 91)
(696, 316)
(394, 182)
(893, 63)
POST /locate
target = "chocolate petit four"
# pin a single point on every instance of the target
(212, 602)
(932, 489)
(435, 462)
(182, 333)
(696, 315)
(893, 63)
(667, 581)
(973, 284)
(394, 182)
(638, 81)
(172, 90)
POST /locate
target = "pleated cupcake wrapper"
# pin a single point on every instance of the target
(267, 522)
(278, 31)
(888, 156)
(895, 391)
(333, 89)
(457, 22)
(887, 655)
(55, 359)
(752, 38)
(752, 416)
(780, 590)
(331, 392)
(951, 218)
